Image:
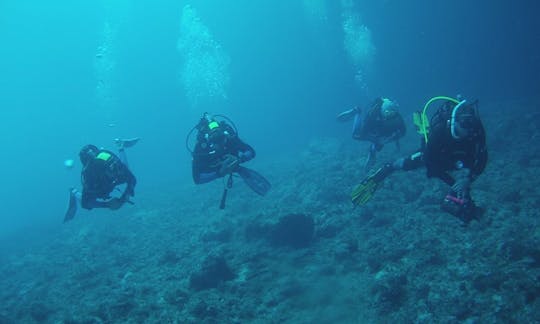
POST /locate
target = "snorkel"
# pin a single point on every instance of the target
(453, 119)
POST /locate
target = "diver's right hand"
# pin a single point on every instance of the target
(115, 203)
(229, 164)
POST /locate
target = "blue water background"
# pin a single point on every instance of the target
(289, 77)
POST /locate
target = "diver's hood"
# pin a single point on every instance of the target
(388, 108)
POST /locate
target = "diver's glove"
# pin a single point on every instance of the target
(229, 164)
(115, 203)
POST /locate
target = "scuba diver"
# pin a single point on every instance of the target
(453, 149)
(103, 172)
(218, 153)
(382, 124)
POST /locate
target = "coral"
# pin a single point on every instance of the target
(293, 230)
(302, 254)
(40, 312)
(213, 271)
(391, 292)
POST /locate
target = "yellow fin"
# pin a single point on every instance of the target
(362, 193)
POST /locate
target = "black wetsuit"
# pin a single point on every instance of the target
(442, 153)
(379, 130)
(211, 148)
(100, 176)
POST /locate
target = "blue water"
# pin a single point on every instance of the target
(288, 75)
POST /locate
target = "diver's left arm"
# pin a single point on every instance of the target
(244, 151)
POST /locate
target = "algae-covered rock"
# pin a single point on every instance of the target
(212, 272)
(293, 230)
